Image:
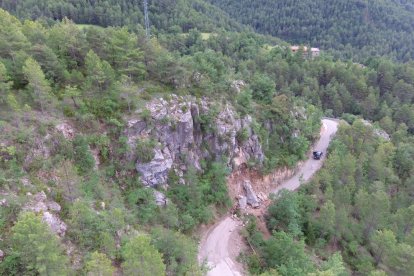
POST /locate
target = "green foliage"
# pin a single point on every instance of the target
(142, 200)
(37, 84)
(285, 254)
(36, 248)
(284, 213)
(327, 219)
(99, 265)
(82, 155)
(144, 150)
(215, 183)
(262, 88)
(4, 82)
(99, 76)
(190, 199)
(242, 135)
(91, 230)
(356, 30)
(179, 252)
(244, 102)
(141, 258)
(333, 266)
(165, 15)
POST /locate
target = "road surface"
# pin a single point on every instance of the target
(215, 247)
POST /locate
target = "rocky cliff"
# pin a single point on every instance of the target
(183, 131)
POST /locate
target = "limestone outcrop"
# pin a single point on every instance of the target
(49, 210)
(185, 131)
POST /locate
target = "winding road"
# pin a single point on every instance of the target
(215, 246)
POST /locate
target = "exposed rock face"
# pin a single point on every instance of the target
(252, 199)
(156, 171)
(188, 131)
(38, 203)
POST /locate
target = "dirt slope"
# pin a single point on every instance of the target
(221, 244)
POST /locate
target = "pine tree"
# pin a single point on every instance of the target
(141, 258)
(37, 247)
(99, 265)
(37, 84)
(4, 83)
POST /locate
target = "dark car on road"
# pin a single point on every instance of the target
(317, 155)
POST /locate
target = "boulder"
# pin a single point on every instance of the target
(3, 202)
(53, 206)
(1, 255)
(252, 199)
(160, 198)
(242, 202)
(55, 223)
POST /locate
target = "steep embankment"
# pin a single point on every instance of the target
(217, 246)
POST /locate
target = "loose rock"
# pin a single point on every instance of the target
(242, 202)
(160, 198)
(252, 199)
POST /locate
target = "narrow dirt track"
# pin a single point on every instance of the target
(215, 247)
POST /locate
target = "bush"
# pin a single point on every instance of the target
(141, 258)
(86, 227)
(143, 201)
(242, 135)
(182, 260)
(146, 115)
(37, 248)
(145, 150)
(83, 158)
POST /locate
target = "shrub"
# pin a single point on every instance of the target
(37, 248)
(145, 150)
(83, 158)
(141, 258)
(182, 260)
(146, 115)
(242, 135)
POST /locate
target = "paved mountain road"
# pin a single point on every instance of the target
(215, 246)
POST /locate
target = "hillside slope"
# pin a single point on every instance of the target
(164, 15)
(354, 28)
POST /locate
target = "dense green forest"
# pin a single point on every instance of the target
(354, 217)
(181, 15)
(353, 29)
(360, 203)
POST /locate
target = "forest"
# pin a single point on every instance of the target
(354, 217)
(166, 15)
(352, 29)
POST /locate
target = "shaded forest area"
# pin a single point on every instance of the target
(350, 29)
(165, 15)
